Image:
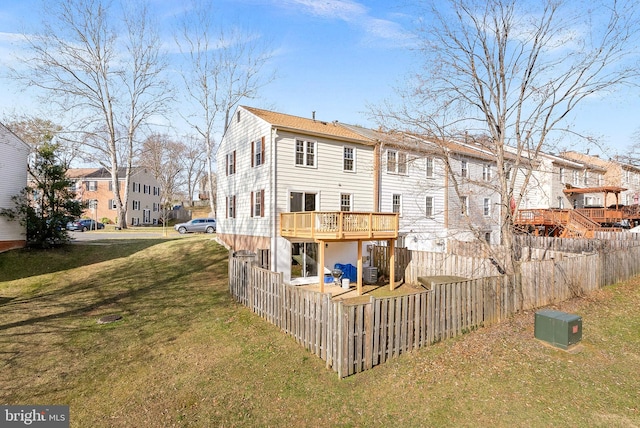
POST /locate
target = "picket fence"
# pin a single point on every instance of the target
(351, 338)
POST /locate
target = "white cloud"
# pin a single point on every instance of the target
(353, 13)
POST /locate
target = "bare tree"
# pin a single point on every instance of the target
(162, 156)
(223, 68)
(513, 72)
(193, 165)
(108, 77)
(36, 131)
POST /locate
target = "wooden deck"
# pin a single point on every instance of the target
(338, 225)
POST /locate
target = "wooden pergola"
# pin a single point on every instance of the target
(605, 190)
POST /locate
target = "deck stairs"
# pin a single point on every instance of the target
(579, 226)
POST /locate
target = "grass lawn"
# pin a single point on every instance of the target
(185, 354)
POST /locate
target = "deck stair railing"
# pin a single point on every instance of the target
(578, 225)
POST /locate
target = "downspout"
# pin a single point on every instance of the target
(377, 177)
(274, 199)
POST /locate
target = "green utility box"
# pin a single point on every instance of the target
(558, 328)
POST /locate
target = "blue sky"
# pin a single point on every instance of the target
(333, 57)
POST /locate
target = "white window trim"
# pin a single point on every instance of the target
(304, 161)
(353, 159)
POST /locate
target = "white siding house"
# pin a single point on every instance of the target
(271, 163)
(13, 178)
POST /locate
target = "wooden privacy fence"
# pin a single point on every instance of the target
(355, 337)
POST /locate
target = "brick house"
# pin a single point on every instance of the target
(95, 187)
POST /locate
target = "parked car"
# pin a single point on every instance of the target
(84, 225)
(207, 225)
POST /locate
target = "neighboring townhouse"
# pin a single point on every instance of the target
(95, 187)
(415, 183)
(271, 163)
(614, 174)
(14, 154)
(550, 176)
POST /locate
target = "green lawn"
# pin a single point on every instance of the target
(185, 354)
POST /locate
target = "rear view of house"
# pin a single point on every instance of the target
(13, 178)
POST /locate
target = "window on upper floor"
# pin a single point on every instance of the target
(464, 169)
(257, 203)
(92, 186)
(257, 152)
(561, 174)
(429, 168)
(464, 204)
(112, 204)
(396, 203)
(585, 178)
(230, 167)
(305, 153)
(575, 177)
(230, 206)
(348, 159)
(428, 206)
(396, 162)
(486, 207)
(345, 202)
(486, 172)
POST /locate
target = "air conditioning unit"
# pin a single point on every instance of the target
(560, 329)
(370, 275)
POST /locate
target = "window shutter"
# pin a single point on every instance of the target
(262, 200)
(262, 148)
(234, 164)
(226, 207)
(253, 153)
(252, 203)
(234, 199)
(226, 166)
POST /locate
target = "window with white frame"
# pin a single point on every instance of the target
(136, 205)
(257, 203)
(348, 159)
(392, 161)
(231, 163)
(585, 177)
(561, 174)
(402, 163)
(464, 169)
(428, 206)
(305, 153)
(396, 203)
(92, 186)
(464, 204)
(345, 202)
(429, 168)
(396, 162)
(486, 207)
(230, 202)
(560, 202)
(575, 177)
(93, 204)
(257, 152)
(112, 204)
(599, 179)
(486, 172)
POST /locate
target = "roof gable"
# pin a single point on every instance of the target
(333, 130)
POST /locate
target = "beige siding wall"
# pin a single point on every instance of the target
(327, 178)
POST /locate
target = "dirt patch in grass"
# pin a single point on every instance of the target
(185, 354)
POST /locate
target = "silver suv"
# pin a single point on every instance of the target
(207, 225)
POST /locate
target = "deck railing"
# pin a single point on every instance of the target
(339, 225)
